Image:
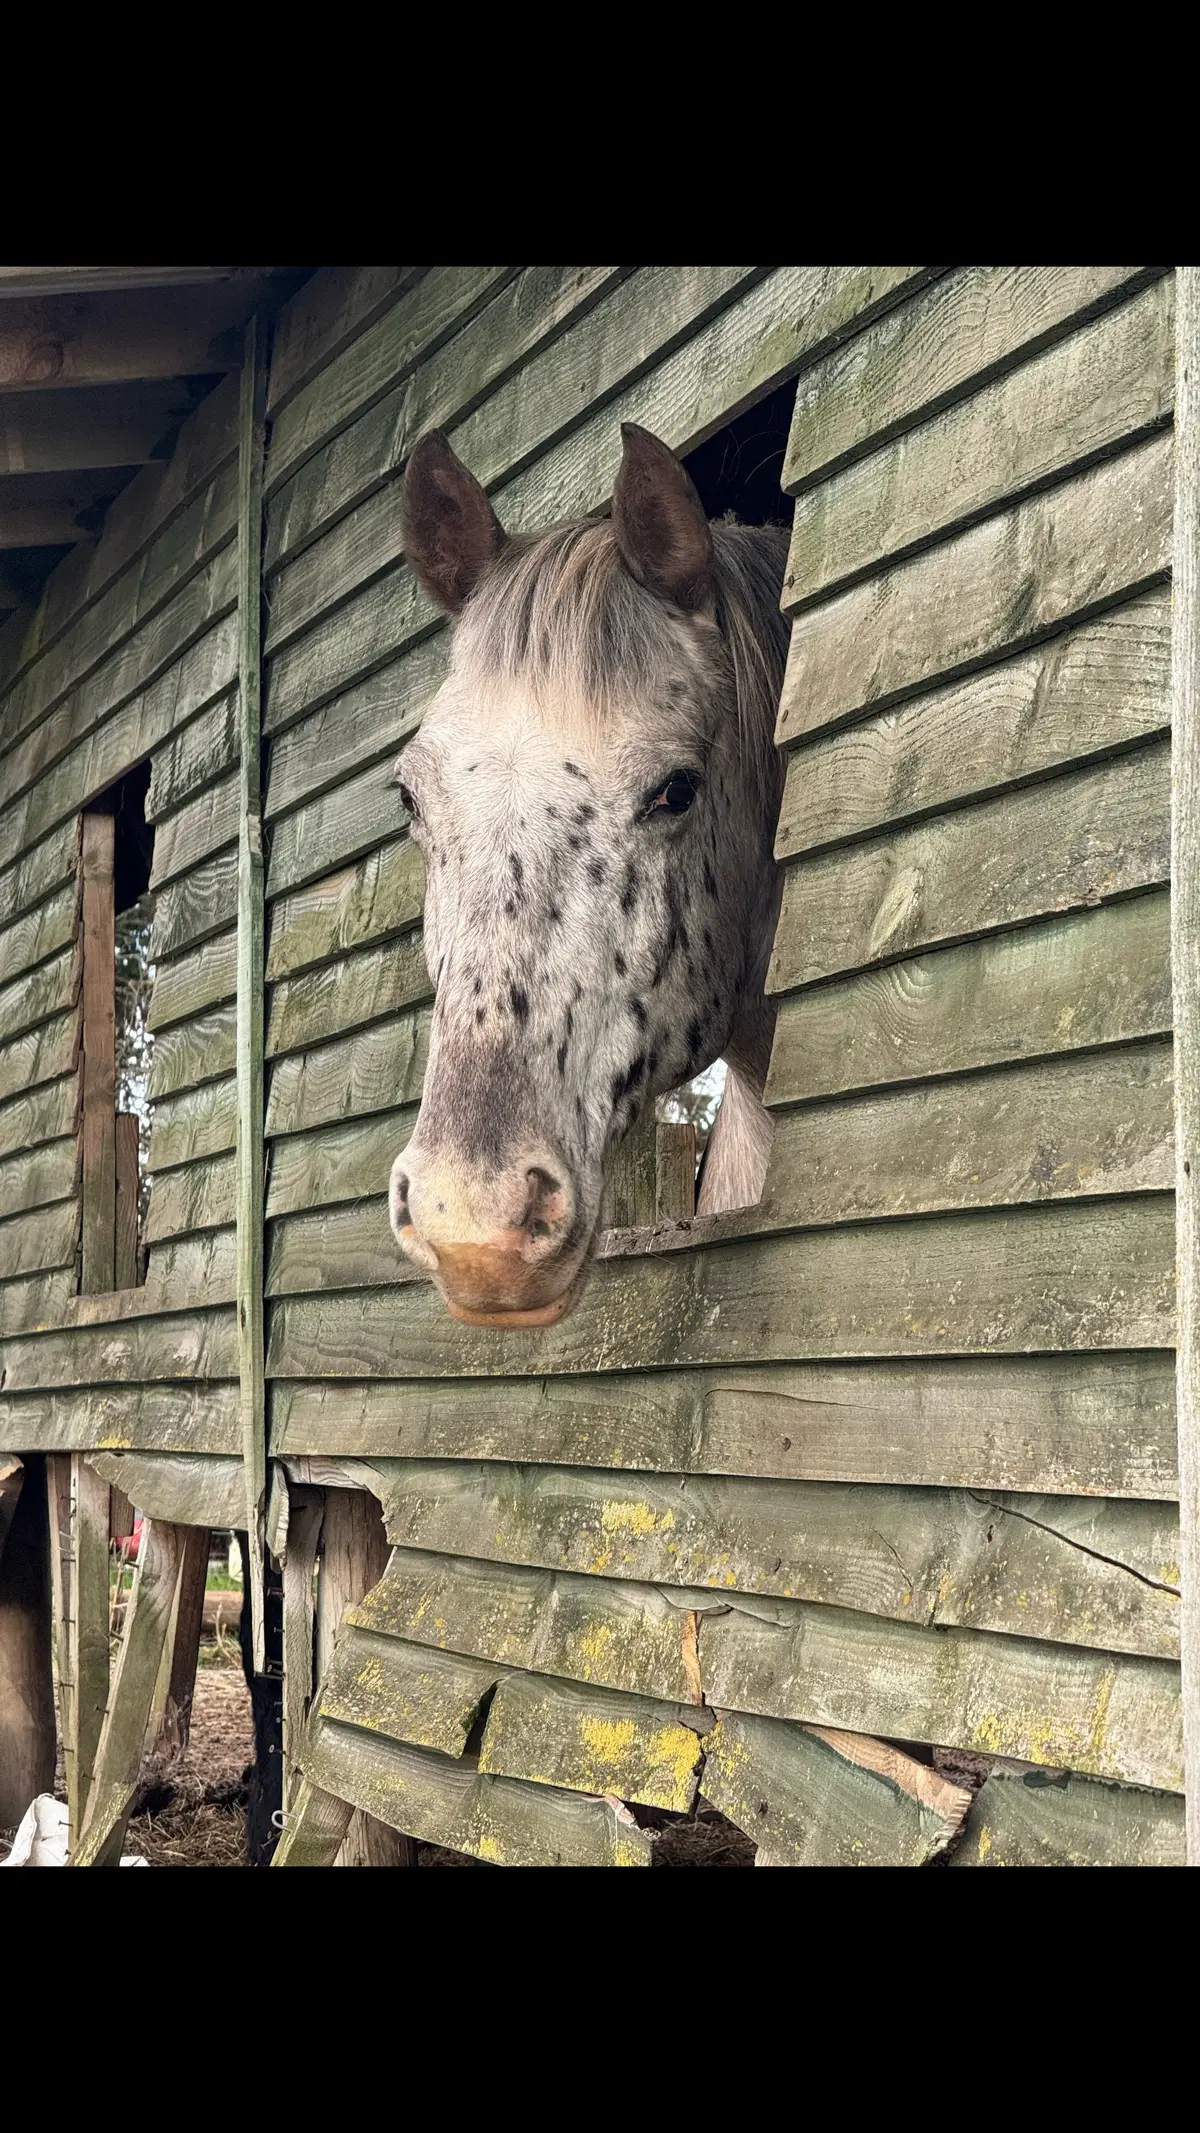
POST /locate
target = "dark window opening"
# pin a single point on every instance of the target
(132, 978)
(737, 471)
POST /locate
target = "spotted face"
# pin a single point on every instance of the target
(599, 885)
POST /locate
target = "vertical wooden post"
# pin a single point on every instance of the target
(306, 1511)
(125, 1225)
(185, 1640)
(1185, 958)
(354, 1557)
(87, 1627)
(675, 1179)
(630, 1192)
(118, 1758)
(250, 968)
(99, 1158)
(58, 1513)
(27, 1743)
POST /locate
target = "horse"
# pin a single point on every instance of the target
(594, 790)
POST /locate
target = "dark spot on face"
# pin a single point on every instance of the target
(472, 766)
(510, 907)
(561, 1056)
(481, 1014)
(575, 843)
(441, 967)
(577, 995)
(619, 964)
(554, 914)
(708, 939)
(695, 1038)
(638, 1011)
(573, 771)
(652, 1063)
(629, 892)
(585, 812)
(516, 869)
(596, 870)
(710, 881)
(634, 1074)
(520, 1002)
(552, 812)
(477, 987)
(570, 1023)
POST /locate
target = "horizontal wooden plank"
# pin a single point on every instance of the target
(152, 1418)
(375, 1069)
(195, 905)
(193, 1052)
(1042, 1818)
(40, 932)
(36, 1300)
(1075, 1276)
(444, 1802)
(790, 316)
(513, 329)
(44, 1238)
(367, 724)
(200, 672)
(1078, 400)
(40, 1055)
(348, 1161)
(127, 670)
(1051, 559)
(201, 1270)
(195, 830)
(1098, 977)
(1082, 1424)
(194, 755)
(383, 894)
(43, 1115)
(505, 389)
(624, 1747)
(1100, 687)
(195, 1344)
(92, 426)
(200, 1122)
(160, 499)
(39, 994)
(40, 870)
(1082, 838)
(1070, 1570)
(333, 306)
(338, 996)
(38, 1176)
(407, 1692)
(422, 317)
(1101, 1123)
(824, 1798)
(971, 325)
(335, 828)
(199, 1195)
(189, 1488)
(339, 1247)
(186, 984)
(1110, 1714)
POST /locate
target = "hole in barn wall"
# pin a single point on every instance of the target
(133, 971)
(737, 471)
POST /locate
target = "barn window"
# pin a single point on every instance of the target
(740, 470)
(117, 847)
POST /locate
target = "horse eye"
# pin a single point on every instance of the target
(406, 800)
(676, 796)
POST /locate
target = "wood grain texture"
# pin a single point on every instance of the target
(36, 1300)
(1053, 1819)
(194, 756)
(189, 1053)
(367, 723)
(1068, 1570)
(1083, 1424)
(40, 869)
(492, 1818)
(1095, 689)
(39, 994)
(383, 894)
(191, 1418)
(945, 341)
(198, 1195)
(823, 1798)
(195, 905)
(330, 310)
(197, 1489)
(337, 1247)
(192, 1345)
(198, 978)
(39, 932)
(334, 1164)
(1041, 563)
(340, 995)
(1111, 381)
(1079, 839)
(375, 1069)
(198, 1123)
(624, 1747)
(118, 1757)
(195, 830)
(46, 1237)
(1097, 977)
(1105, 1713)
(48, 1112)
(1185, 925)
(405, 1692)
(337, 827)
(41, 1054)
(39, 1176)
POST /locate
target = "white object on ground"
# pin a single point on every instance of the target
(41, 1839)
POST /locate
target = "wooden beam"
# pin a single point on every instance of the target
(99, 1056)
(118, 1760)
(43, 510)
(1185, 931)
(251, 924)
(119, 337)
(26, 1684)
(55, 281)
(353, 1559)
(96, 426)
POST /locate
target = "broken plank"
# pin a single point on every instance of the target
(118, 1757)
(624, 1747)
(818, 1797)
(406, 1692)
(193, 1488)
(1049, 1818)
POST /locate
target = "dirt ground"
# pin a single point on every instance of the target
(196, 1815)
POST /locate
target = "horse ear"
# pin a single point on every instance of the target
(450, 528)
(659, 522)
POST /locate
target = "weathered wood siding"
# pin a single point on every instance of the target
(891, 1455)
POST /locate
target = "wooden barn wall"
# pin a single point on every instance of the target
(891, 1455)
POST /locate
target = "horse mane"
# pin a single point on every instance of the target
(560, 613)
